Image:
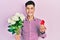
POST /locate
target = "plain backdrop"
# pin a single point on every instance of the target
(49, 10)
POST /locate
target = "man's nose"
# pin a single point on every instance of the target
(29, 10)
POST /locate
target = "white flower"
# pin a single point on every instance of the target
(20, 15)
(10, 21)
(15, 18)
(17, 14)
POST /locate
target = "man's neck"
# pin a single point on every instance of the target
(30, 18)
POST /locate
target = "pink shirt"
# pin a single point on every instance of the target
(30, 30)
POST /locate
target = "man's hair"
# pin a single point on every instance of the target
(29, 3)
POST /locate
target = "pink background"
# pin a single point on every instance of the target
(49, 10)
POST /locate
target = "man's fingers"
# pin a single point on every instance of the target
(42, 28)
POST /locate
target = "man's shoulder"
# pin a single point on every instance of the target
(37, 19)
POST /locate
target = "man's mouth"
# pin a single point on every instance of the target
(30, 14)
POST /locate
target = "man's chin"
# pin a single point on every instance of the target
(30, 14)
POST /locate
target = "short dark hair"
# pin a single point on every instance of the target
(29, 3)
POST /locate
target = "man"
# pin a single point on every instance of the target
(31, 28)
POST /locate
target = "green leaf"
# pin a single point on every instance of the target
(13, 32)
(12, 27)
(20, 26)
(10, 30)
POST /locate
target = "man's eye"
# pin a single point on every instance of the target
(31, 8)
(27, 8)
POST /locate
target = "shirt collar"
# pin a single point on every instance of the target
(26, 19)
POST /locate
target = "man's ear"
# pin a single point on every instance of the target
(25, 8)
(34, 8)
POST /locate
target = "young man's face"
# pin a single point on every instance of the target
(30, 10)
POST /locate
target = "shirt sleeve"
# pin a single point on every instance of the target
(42, 35)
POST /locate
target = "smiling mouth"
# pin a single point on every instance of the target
(30, 14)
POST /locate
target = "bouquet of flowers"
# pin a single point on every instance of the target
(16, 23)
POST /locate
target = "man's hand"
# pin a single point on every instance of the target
(42, 28)
(17, 37)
